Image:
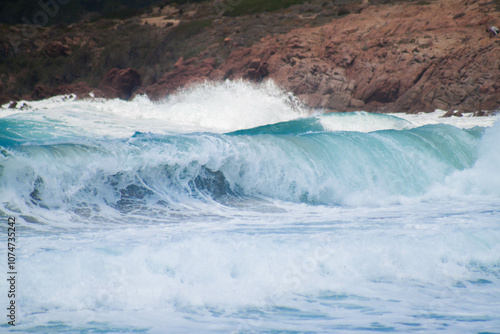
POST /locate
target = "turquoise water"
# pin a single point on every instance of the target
(298, 225)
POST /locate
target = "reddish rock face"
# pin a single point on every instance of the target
(120, 83)
(395, 58)
(56, 49)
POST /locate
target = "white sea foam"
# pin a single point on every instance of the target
(363, 122)
(213, 107)
(467, 121)
(358, 262)
(483, 179)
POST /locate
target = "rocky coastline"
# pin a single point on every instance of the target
(402, 56)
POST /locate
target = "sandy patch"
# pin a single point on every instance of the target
(160, 22)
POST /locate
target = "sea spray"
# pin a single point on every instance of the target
(483, 179)
(211, 107)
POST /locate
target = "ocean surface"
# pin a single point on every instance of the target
(232, 208)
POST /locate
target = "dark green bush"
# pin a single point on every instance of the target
(192, 28)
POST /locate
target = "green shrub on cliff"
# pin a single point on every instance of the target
(189, 29)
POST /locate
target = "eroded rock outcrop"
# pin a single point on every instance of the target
(120, 83)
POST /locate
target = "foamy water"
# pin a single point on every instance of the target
(232, 208)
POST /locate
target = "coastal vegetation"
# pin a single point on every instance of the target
(335, 54)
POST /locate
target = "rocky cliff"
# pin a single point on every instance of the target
(396, 57)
